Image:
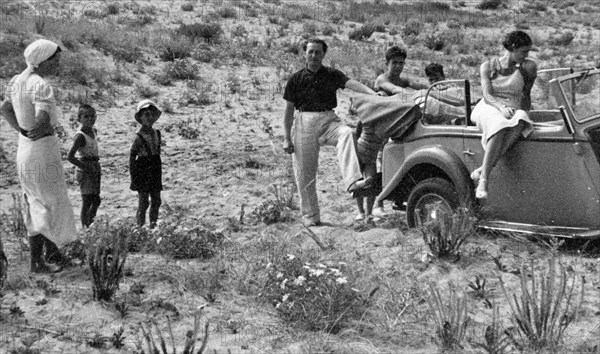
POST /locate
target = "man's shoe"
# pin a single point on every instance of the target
(310, 223)
(359, 217)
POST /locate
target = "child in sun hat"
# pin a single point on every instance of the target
(145, 165)
(85, 146)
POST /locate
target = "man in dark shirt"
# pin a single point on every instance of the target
(312, 91)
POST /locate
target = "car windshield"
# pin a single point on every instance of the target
(541, 97)
(583, 94)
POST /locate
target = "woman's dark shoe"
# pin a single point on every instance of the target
(38, 264)
(53, 254)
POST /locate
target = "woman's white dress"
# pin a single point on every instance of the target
(509, 90)
(47, 209)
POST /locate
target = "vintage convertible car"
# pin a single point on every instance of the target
(546, 184)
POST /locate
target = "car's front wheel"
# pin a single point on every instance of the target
(428, 199)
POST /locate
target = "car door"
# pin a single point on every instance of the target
(534, 181)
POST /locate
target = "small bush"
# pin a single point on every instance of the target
(434, 42)
(412, 28)
(181, 69)
(195, 97)
(453, 24)
(187, 7)
(94, 14)
(379, 27)
(546, 306)
(106, 255)
(191, 337)
(451, 319)
(268, 212)
(13, 224)
(328, 30)
(204, 54)
(562, 39)
(446, 235)
(315, 297)
(112, 9)
(309, 28)
(362, 33)
(489, 4)
(175, 48)
(209, 32)
(227, 12)
(239, 31)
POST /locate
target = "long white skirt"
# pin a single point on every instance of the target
(46, 206)
(489, 119)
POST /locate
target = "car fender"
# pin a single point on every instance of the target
(442, 159)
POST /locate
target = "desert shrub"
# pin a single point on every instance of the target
(209, 32)
(445, 235)
(175, 47)
(195, 97)
(315, 297)
(496, 341)
(95, 14)
(191, 337)
(489, 4)
(546, 306)
(181, 69)
(561, 39)
(239, 31)
(187, 129)
(106, 255)
(453, 24)
(379, 27)
(180, 242)
(450, 317)
(412, 28)
(362, 33)
(268, 212)
(188, 6)
(227, 12)
(328, 30)
(309, 28)
(434, 42)
(112, 9)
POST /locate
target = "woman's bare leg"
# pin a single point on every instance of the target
(492, 154)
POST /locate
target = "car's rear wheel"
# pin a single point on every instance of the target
(429, 199)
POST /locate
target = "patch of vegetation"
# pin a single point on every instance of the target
(187, 7)
(208, 32)
(547, 305)
(175, 47)
(315, 297)
(489, 4)
(181, 69)
(362, 33)
(450, 317)
(446, 235)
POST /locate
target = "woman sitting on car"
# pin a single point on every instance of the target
(502, 114)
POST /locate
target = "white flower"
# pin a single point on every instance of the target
(335, 271)
(321, 265)
(278, 304)
(285, 297)
(306, 267)
(269, 265)
(300, 280)
(283, 283)
(279, 275)
(341, 280)
(291, 256)
(308, 264)
(354, 289)
(316, 272)
(158, 240)
(342, 263)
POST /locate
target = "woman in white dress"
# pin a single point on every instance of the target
(30, 108)
(502, 114)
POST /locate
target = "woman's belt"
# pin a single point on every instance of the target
(25, 132)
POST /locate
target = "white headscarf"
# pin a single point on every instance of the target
(36, 53)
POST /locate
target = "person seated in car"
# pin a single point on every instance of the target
(445, 103)
(390, 83)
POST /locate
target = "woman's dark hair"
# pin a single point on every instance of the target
(315, 40)
(58, 50)
(393, 52)
(516, 39)
(434, 68)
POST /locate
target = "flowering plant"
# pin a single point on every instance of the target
(312, 296)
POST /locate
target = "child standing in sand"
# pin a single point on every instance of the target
(145, 165)
(88, 174)
(367, 148)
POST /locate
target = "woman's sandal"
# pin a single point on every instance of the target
(476, 174)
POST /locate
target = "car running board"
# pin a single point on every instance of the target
(568, 232)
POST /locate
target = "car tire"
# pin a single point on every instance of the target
(428, 198)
